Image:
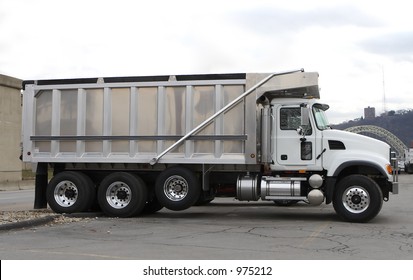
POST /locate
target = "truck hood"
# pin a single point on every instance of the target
(348, 146)
(357, 141)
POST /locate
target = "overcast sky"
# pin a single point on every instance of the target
(363, 50)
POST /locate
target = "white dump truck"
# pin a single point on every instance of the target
(134, 145)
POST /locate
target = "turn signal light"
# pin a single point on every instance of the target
(389, 169)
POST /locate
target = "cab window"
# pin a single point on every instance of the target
(290, 119)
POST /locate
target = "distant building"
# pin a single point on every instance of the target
(369, 112)
(10, 127)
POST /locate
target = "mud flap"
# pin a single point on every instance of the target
(40, 186)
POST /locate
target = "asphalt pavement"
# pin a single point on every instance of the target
(225, 229)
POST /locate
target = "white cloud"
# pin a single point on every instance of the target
(396, 45)
(348, 42)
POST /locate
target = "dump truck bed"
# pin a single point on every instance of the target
(133, 119)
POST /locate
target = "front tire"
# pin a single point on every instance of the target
(177, 188)
(357, 198)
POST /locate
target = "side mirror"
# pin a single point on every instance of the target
(305, 116)
(305, 122)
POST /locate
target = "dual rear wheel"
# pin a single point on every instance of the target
(177, 188)
(123, 194)
(70, 192)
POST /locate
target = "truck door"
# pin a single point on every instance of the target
(291, 148)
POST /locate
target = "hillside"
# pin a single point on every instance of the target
(400, 123)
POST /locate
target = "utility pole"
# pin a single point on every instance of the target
(384, 92)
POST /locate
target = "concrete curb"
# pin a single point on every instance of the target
(29, 223)
(45, 220)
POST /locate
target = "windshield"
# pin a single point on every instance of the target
(320, 116)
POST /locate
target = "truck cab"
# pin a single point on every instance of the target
(351, 170)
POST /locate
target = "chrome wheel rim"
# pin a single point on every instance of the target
(176, 188)
(356, 199)
(66, 193)
(118, 195)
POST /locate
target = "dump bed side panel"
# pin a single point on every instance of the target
(132, 122)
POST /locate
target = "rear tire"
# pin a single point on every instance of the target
(357, 198)
(122, 194)
(70, 192)
(177, 188)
